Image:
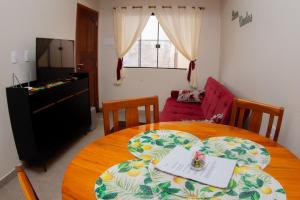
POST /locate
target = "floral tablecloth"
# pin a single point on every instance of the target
(246, 183)
(156, 144)
(246, 152)
(127, 180)
(138, 179)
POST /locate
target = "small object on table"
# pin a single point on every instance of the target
(35, 89)
(29, 88)
(51, 85)
(198, 161)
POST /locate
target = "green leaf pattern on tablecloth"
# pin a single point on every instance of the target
(138, 179)
(131, 180)
(156, 144)
(244, 151)
(246, 183)
(127, 180)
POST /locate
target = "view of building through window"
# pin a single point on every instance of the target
(154, 50)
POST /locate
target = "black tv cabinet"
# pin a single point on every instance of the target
(43, 121)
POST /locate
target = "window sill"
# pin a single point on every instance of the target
(154, 68)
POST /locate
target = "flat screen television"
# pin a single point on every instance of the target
(54, 59)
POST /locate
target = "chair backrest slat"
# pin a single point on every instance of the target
(26, 186)
(270, 124)
(131, 111)
(278, 126)
(106, 124)
(148, 114)
(116, 120)
(132, 116)
(156, 111)
(233, 116)
(241, 117)
(255, 119)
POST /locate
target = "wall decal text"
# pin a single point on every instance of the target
(235, 15)
(243, 20)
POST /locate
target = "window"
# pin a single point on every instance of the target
(154, 50)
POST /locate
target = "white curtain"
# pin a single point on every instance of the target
(183, 26)
(129, 23)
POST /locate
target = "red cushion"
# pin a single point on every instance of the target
(217, 100)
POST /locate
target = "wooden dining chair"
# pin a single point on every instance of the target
(25, 184)
(131, 112)
(243, 109)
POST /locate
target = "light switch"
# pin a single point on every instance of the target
(13, 57)
(27, 57)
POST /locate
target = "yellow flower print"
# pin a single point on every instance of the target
(138, 164)
(155, 161)
(146, 157)
(231, 143)
(135, 144)
(155, 136)
(107, 176)
(133, 172)
(257, 167)
(178, 180)
(192, 196)
(147, 147)
(253, 151)
(240, 170)
(238, 141)
(266, 190)
(189, 145)
(213, 188)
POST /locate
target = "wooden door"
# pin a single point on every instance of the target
(87, 49)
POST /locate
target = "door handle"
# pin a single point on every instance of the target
(80, 64)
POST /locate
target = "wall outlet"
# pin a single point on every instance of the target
(13, 57)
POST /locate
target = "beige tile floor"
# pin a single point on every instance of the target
(48, 184)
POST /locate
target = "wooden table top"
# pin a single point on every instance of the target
(82, 172)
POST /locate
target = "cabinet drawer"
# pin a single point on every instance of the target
(47, 98)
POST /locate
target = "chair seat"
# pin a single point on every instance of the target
(178, 111)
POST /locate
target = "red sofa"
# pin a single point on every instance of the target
(217, 100)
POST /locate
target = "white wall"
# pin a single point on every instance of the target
(21, 22)
(146, 82)
(260, 61)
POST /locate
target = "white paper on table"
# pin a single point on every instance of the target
(217, 173)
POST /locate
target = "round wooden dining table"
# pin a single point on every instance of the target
(92, 160)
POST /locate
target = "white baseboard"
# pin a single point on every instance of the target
(6, 178)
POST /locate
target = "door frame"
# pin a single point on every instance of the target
(79, 8)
